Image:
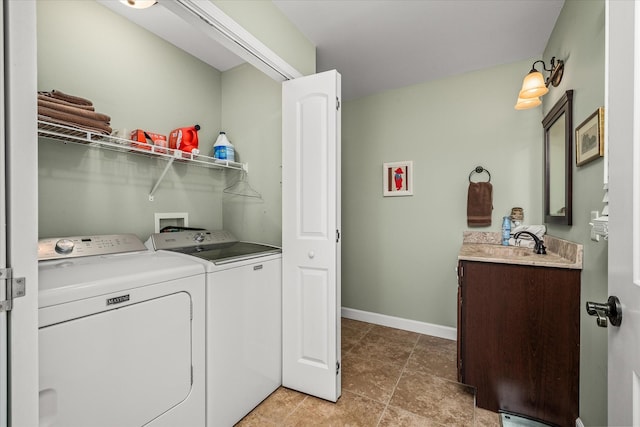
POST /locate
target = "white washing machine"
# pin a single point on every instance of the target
(244, 318)
(121, 334)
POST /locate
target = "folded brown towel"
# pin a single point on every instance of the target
(479, 204)
(74, 110)
(46, 96)
(70, 98)
(81, 130)
(74, 119)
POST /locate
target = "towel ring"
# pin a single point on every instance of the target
(479, 169)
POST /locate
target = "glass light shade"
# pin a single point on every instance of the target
(139, 4)
(533, 85)
(526, 103)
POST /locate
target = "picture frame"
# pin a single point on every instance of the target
(590, 138)
(397, 179)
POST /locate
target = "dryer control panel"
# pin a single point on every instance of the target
(189, 239)
(79, 246)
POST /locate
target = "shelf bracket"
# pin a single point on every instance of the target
(161, 177)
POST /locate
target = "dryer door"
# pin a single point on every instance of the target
(122, 367)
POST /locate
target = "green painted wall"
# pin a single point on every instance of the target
(400, 253)
(578, 38)
(267, 23)
(252, 117)
(143, 82)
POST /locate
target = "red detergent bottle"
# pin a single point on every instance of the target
(185, 139)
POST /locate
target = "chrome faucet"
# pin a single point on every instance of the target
(539, 245)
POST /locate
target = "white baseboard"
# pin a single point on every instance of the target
(400, 323)
(579, 423)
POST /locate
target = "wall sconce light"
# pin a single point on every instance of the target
(139, 4)
(534, 85)
(526, 103)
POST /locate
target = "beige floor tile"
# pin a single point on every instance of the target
(350, 410)
(486, 418)
(253, 420)
(415, 374)
(370, 378)
(434, 398)
(280, 404)
(397, 335)
(350, 337)
(355, 324)
(384, 348)
(427, 341)
(437, 361)
(396, 417)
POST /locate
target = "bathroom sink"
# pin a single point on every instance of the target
(486, 247)
(499, 253)
(504, 251)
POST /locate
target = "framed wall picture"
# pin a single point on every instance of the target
(397, 179)
(590, 138)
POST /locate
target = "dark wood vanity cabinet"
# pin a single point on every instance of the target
(519, 338)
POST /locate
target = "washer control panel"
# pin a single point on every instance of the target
(189, 239)
(79, 246)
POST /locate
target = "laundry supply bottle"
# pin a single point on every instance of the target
(506, 230)
(185, 139)
(223, 149)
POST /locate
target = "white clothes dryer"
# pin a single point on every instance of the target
(244, 318)
(121, 334)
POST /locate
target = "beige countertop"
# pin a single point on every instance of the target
(486, 247)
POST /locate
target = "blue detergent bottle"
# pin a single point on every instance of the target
(506, 230)
(223, 149)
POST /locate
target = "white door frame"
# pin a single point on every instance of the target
(623, 107)
(4, 351)
(22, 206)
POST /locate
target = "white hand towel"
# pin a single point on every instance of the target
(523, 243)
(538, 230)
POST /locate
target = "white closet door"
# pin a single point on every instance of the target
(21, 198)
(623, 107)
(4, 355)
(310, 234)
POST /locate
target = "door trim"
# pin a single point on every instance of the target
(22, 206)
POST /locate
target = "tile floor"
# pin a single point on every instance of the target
(390, 377)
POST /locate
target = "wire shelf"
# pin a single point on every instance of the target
(108, 142)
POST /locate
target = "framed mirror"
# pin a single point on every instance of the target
(558, 162)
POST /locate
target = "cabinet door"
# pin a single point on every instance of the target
(520, 339)
(310, 230)
(460, 328)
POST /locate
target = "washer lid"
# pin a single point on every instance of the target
(61, 281)
(230, 252)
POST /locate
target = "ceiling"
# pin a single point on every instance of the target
(378, 45)
(164, 23)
